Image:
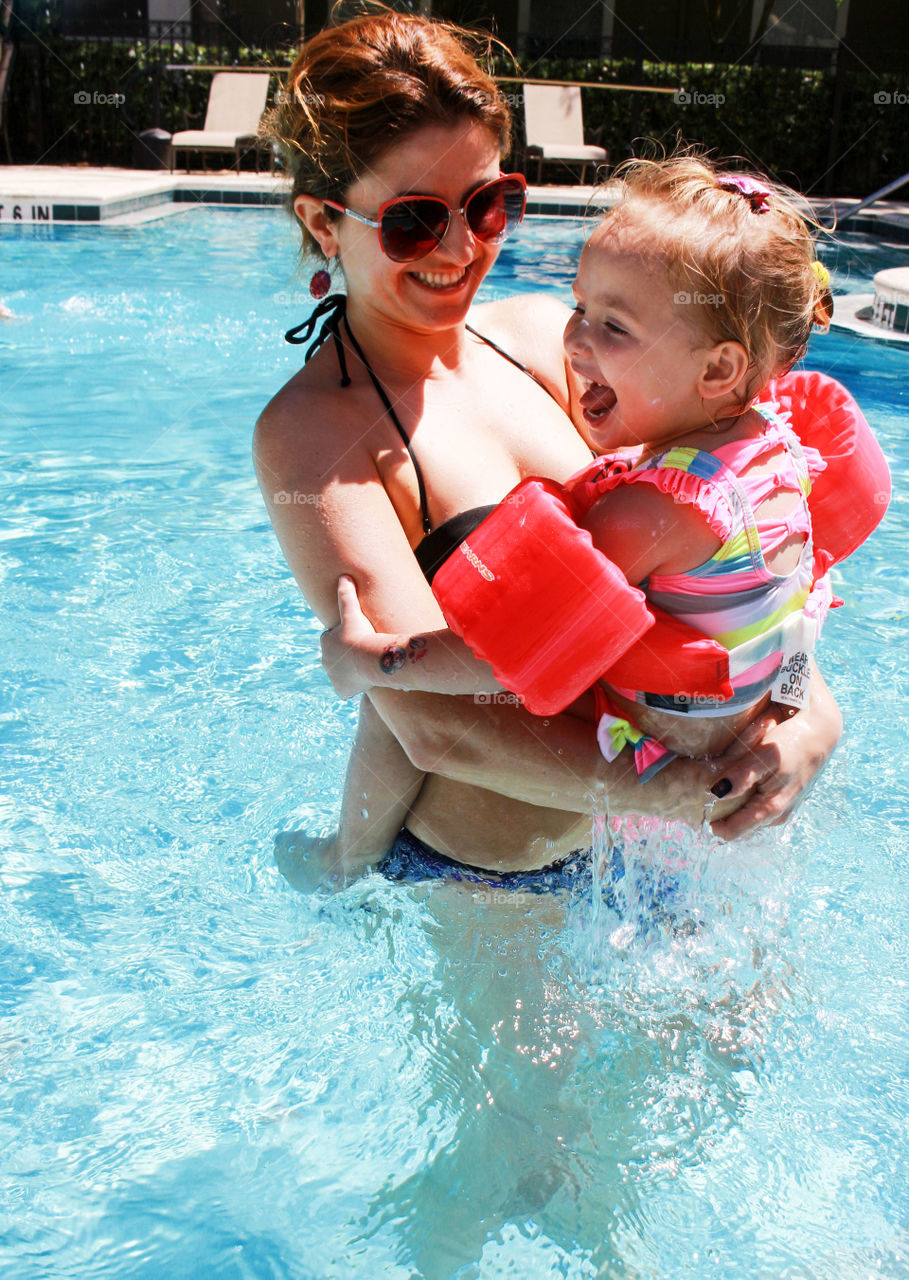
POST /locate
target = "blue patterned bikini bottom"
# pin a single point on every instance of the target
(655, 892)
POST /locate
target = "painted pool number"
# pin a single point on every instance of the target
(25, 213)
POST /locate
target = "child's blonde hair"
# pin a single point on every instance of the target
(741, 257)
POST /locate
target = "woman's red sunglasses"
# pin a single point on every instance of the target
(410, 227)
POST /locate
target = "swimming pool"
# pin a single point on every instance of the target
(207, 1074)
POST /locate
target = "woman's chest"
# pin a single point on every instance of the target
(471, 442)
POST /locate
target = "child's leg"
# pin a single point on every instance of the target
(380, 786)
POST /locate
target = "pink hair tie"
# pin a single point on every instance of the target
(754, 192)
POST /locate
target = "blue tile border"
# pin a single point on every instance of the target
(45, 210)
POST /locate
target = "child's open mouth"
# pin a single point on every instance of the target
(597, 401)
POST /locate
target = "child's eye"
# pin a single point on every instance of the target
(578, 309)
(611, 327)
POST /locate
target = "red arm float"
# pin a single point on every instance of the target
(848, 499)
(535, 599)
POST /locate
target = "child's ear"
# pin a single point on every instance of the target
(314, 216)
(723, 368)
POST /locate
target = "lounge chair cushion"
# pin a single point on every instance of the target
(216, 140)
(567, 151)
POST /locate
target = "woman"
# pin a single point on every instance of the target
(404, 419)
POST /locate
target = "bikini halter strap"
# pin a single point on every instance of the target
(334, 308)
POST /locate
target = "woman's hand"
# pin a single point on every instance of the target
(775, 760)
(347, 647)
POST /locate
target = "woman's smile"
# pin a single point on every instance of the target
(441, 280)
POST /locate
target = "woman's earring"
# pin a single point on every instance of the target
(320, 284)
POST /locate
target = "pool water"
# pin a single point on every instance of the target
(206, 1073)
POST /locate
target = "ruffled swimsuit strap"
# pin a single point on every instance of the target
(701, 480)
(335, 309)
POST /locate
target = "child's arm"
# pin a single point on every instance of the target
(640, 529)
(643, 531)
(356, 657)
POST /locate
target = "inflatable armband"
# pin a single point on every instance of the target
(535, 599)
(848, 499)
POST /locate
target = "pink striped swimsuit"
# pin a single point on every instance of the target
(733, 596)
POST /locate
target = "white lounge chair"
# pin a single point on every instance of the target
(554, 127)
(236, 101)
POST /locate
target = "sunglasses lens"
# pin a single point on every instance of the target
(495, 210)
(413, 228)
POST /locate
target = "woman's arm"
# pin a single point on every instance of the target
(356, 657)
(554, 762)
(339, 515)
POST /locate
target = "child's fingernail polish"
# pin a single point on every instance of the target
(721, 788)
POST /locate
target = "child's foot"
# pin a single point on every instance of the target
(309, 862)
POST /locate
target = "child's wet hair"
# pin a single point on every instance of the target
(740, 255)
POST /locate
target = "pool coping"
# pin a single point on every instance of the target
(47, 194)
(111, 197)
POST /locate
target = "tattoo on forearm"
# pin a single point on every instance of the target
(416, 648)
(392, 659)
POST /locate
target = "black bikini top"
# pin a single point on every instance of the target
(437, 544)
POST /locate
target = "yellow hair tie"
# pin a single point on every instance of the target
(822, 274)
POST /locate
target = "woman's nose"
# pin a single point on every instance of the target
(459, 242)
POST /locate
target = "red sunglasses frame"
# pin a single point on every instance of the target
(376, 223)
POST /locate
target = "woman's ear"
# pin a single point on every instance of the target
(724, 367)
(312, 213)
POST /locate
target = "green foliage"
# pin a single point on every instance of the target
(50, 123)
(779, 119)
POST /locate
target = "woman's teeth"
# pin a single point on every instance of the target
(439, 279)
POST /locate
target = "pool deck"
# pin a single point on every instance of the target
(121, 197)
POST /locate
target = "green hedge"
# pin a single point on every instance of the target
(776, 117)
(49, 125)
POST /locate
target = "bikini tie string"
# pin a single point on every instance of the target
(332, 309)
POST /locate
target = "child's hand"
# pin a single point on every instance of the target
(345, 646)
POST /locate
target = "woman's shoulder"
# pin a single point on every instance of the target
(529, 327)
(310, 408)
(310, 434)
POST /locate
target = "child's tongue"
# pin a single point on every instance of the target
(597, 399)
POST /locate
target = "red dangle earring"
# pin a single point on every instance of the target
(320, 284)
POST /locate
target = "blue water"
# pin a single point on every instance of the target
(208, 1074)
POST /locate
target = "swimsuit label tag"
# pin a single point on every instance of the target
(793, 681)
